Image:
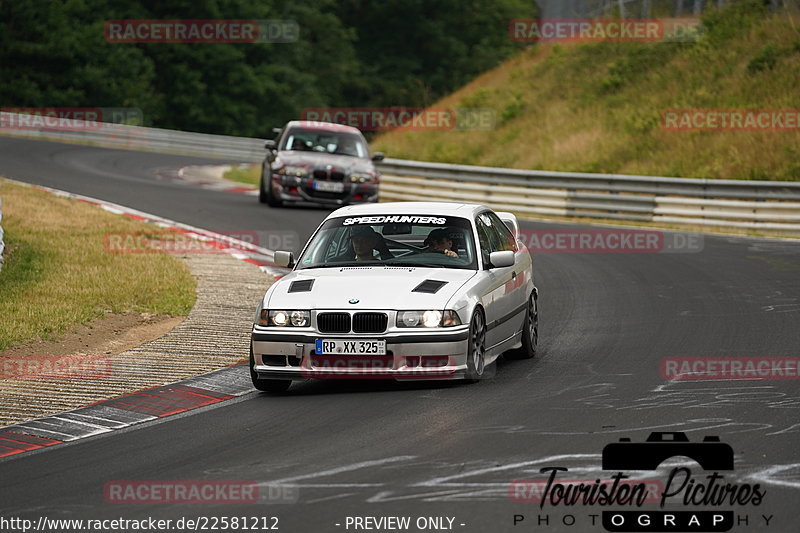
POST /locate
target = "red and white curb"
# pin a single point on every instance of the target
(124, 411)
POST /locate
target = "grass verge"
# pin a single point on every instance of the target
(58, 274)
(598, 107)
(249, 174)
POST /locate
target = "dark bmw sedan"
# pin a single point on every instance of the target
(319, 162)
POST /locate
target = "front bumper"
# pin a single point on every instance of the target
(293, 189)
(417, 355)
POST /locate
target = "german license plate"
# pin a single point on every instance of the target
(329, 186)
(350, 347)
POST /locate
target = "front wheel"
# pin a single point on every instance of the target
(530, 331)
(266, 194)
(267, 385)
(476, 352)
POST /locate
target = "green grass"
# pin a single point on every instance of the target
(250, 174)
(597, 107)
(58, 274)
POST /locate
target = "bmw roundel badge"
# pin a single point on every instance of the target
(353, 300)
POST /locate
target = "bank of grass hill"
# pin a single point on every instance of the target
(602, 107)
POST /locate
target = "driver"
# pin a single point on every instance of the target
(365, 241)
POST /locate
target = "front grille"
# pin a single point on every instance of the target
(328, 175)
(333, 322)
(369, 322)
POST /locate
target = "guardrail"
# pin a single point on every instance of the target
(140, 138)
(760, 206)
(750, 205)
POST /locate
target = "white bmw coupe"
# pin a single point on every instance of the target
(406, 291)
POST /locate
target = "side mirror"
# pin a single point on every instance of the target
(378, 156)
(270, 145)
(502, 259)
(284, 259)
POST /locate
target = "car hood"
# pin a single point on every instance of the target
(322, 160)
(373, 287)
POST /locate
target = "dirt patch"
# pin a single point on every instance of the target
(109, 335)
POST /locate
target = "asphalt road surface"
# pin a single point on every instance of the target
(328, 455)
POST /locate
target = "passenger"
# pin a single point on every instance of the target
(439, 241)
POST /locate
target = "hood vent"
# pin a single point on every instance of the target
(301, 285)
(429, 286)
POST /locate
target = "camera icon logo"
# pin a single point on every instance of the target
(710, 454)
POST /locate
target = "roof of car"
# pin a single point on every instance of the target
(326, 126)
(411, 208)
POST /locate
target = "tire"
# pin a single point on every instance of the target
(262, 194)
(530, 331)
(476, 352)
(266, 195)
(267, 385)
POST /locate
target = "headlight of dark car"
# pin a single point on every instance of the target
(427, 319)
(293, 170)
(363, 177)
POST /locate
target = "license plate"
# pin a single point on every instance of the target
(329, 186)
(350, 347)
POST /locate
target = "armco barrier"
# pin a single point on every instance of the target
(772, 207)
(767, 206)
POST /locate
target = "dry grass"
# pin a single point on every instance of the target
(58, 273)
(597, 107)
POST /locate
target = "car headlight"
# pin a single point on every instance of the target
(293, 170)
(362, 177)
(283, 318)
(427, 319)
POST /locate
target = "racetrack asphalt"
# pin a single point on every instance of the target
(356, 449)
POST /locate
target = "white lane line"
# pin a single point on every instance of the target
(346, 468)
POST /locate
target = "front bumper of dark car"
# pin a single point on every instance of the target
(296, 189)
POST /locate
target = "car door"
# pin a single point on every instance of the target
(515, 289)
(494, 295)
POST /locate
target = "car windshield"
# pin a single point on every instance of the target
(392, 240)
(327, 142)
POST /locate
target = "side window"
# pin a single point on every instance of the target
(486, 237)
(504, 236)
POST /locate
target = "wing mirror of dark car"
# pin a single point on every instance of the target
(378, 156)
(284, 259)
(270, 145)
(501, 259)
